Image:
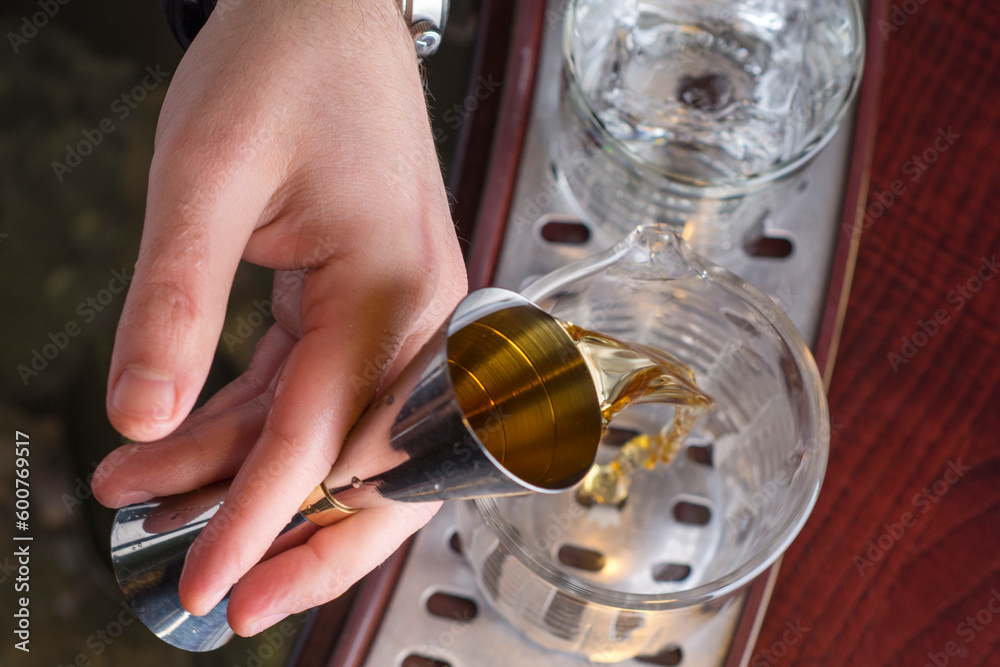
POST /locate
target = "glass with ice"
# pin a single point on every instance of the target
(693, 98)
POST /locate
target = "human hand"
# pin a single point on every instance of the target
(294, 136)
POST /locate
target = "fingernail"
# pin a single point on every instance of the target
(216, 599)
(144, 394)
(209, 602)
(259, 624)
(133, 497)
(101, 471)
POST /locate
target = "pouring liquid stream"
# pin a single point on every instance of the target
(627, 374)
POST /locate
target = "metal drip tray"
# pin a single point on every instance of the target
(786, 250)
(487, 640)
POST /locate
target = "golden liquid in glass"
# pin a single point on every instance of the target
(628, 374)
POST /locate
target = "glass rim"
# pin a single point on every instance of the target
(727, 188)
(812, 473)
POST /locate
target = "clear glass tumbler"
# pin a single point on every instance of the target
(673, 109)
(613, 582)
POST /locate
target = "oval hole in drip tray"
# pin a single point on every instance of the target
(581, 559)
(694, 514)
(757, 242)
(417, 660)
(700, 454)
(772, 247)
(567, 231)
(455, 543)
(669, 657)
(617, 437)
(671, 572)
(452, 607)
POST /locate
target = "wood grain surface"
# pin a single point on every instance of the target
(899, 563)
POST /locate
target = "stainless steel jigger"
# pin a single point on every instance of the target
(499, 402)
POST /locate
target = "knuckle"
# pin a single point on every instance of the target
(201, 165)
(164, 309)
(173, 300)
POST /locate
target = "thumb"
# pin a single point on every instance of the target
(194, 235)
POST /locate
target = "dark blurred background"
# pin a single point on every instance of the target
(74, 158)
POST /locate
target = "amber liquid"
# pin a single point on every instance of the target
(628, 374)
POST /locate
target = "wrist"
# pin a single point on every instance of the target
(425, 19)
